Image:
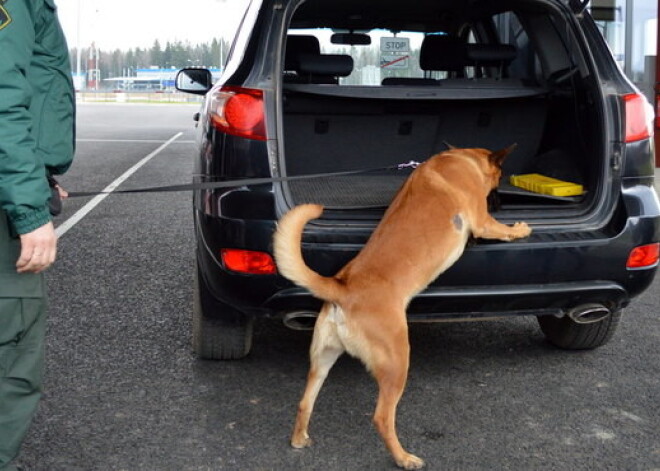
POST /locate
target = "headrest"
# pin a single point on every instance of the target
(442, 53)
(335, 65)
(491, 54)
(299, 44)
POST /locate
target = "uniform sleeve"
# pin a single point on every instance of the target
(24, 189)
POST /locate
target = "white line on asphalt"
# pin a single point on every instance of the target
(82, 212)
(148, 141)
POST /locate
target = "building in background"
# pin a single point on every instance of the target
(152, 79)
(631, 29)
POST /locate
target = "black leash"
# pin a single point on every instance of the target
(240, 182)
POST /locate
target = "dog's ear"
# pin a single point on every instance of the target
(497, 157)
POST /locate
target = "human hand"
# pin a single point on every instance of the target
(38, 249)
(63, 193)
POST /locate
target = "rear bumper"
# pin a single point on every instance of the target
(524, 286)
(548, 273)
(493, 301)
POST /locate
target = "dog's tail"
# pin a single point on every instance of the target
(288, 254)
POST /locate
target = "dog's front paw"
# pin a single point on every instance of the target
(520, 230)
(410, 462)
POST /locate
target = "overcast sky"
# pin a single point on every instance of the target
(124, 24)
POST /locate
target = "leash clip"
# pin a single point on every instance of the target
(410, 164)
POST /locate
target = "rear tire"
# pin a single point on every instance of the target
(219, 332)
(565, 333)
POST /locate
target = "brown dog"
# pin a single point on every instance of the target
(423, 233)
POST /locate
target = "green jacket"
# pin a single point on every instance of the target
(37, 109)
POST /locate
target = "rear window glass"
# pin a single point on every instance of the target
(387, 55)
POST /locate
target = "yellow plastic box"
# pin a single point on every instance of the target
(538, 183)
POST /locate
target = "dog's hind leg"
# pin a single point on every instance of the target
(326, 348)
(390, 368)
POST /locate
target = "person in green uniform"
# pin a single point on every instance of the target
(37, 111)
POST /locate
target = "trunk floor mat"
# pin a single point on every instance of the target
(371, 191)
(351, 191)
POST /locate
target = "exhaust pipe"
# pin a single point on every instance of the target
(300, 320)
(588, 313)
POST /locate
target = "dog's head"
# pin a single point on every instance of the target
(489, 161)
(493, 164)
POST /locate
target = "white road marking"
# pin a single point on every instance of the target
(602, 434)
(82, 212)
(147, 141)
(627, 415)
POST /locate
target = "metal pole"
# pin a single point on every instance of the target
(96, 68)
(628, 39)
(657, 94)
(79, 83)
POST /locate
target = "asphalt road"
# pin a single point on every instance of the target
(124, 391)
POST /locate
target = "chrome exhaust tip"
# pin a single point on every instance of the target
(300, 320)
(588, 313)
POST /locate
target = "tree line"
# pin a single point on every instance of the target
(177, 54)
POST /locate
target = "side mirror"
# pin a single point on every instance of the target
(196, 81)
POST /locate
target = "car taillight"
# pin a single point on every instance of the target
(644, 256)
(239, 111)
(638, 123)
(248, 261)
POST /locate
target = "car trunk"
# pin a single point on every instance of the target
(530, 86)
(334, 129)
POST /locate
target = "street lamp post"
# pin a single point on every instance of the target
(78, 50)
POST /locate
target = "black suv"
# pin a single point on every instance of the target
(327, 86)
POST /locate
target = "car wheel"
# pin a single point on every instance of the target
(219, 332)
(564, 332)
